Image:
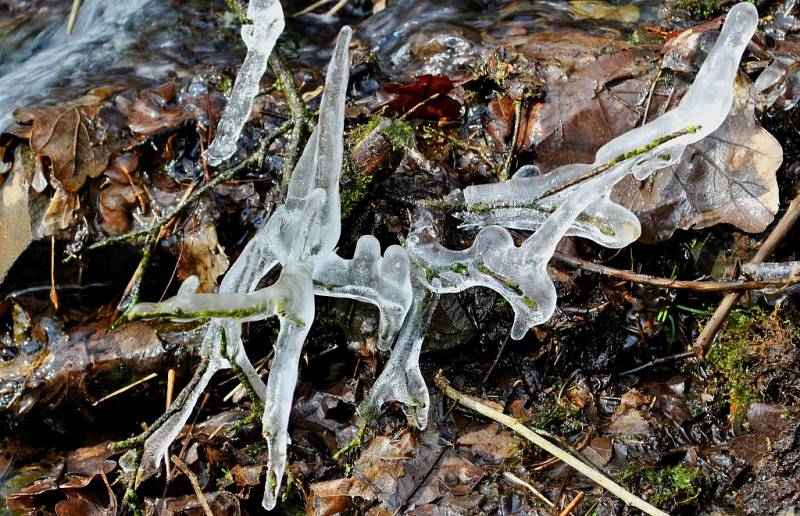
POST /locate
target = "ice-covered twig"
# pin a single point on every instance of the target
(260, 38)
(383, 282)
(544, 203)
(401, 379)
(301, 236)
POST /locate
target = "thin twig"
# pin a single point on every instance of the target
(124, 389)
(696, 285)
(170, 392)
(301, 117)
(775, 237)
(159, 229)
(53, 291)
(573, 504)
(505, 172)
(658, 361)
(449, 206)
(508, 421)
(195, 483)
(516, 480)
(73, 15)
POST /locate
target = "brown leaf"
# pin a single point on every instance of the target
(69, 138)
(115, 201)
(222, 503)
(627, 418)
(15, 228)
(599, 451)
(588, 107)
(729, 177)
(490, 442)
(201, 255)
(330, 497)
(157, 110)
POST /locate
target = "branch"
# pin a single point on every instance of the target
(777, 235)
(696, 285)
(508, 421)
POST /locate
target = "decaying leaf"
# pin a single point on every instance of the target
(70, 137)
(156, 110)
(398, 472)
(69, 477)
(201, 255)
(728, 177)
(15, 228)
(426, 98)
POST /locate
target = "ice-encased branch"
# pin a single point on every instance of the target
(401, 379)
(300, 236)
(383, 282)
(520, 273)
(260, 38)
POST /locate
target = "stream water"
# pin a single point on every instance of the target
(131, 42)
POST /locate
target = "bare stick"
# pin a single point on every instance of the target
(777, 235)
(657, 361)
(124, 389)
(73, 15)
(573, 504)
(583, 468)
(696, 285)
(195, 484)
(514, 479)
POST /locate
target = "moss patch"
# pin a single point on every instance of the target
(730, 357)
(676, 485)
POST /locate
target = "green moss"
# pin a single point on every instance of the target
(479, 207)
(530, 303)
(549, 415)
(399, 133)
(459, 268)
(513, 285)
(674, 485)
(400, 136)
(700, 9)
(730, 358)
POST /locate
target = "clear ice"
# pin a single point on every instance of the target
(406, 282)
(260, 38)
(300, 237)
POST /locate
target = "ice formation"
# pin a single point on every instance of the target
(260, 38)
(405, 283)
(300, 237)
(570, 200)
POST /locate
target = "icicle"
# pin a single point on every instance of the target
(401, 379)
(260, 38)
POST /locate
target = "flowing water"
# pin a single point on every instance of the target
(127, 42)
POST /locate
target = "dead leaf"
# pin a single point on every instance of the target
(729, 177)
(600, 10)
(587, 107)
(159, 109)
(77, 148)
(200, 254)
(489, 442)
(330, 497)
(15, 229)
(222, 503)
(627, 418)
(428, 90)
(599, 451)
